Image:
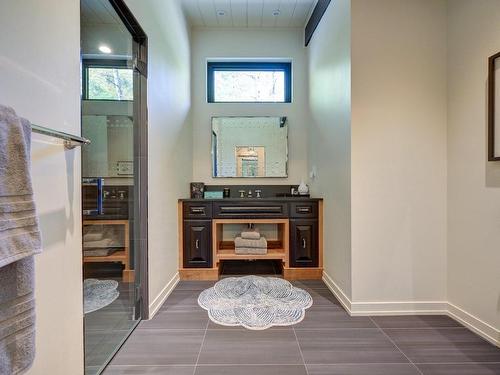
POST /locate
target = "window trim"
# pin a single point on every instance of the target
(101, 63)
(213, 66)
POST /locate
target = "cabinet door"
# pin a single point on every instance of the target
(304, 243)
(197, 244)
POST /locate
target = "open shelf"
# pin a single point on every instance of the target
(117, 256)
(276, 249)
(271, 254)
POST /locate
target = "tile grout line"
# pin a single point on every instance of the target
(300, 350)
(397, 347)
(201, 347)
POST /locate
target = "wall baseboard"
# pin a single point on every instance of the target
(165, 292)
(475, 324)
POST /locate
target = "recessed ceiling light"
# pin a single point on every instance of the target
(276, 12)
(104, 49)
(221, 13)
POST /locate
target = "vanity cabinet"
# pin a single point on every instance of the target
(197, 246)
(304, 251)
(296, 241)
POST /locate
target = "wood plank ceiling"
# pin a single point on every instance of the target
(248, 13)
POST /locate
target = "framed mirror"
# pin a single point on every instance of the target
(494, 107)
(249, 147)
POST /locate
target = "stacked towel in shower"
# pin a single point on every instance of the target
(250, 245)
(19, 241)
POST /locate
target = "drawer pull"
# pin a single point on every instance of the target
(304, 210)
(251, 209)
(197, 210)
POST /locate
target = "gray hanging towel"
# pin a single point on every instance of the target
(19, 241)
(19, 233)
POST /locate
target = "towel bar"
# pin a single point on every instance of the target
(70, 140)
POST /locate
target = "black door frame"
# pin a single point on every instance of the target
(140, 57)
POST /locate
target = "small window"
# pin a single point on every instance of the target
(249, 82)
(108, 82)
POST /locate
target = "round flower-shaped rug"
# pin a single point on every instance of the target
(255, 302)
(98, 294)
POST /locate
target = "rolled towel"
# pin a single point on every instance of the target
(251, 250)
(250, 234)
(261, 243)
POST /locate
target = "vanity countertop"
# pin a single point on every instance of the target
(253, 199)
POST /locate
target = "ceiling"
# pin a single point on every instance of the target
(98, 12)
(248, 13)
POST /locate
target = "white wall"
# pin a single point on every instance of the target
(40, 78)
(251, 43)
(473, 182)
(329, 54)
(170, 134)
(398, 150)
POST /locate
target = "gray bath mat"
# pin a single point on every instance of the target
(98, 294)
(255, 302)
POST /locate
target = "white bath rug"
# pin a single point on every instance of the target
(98, 294)
(255, 302)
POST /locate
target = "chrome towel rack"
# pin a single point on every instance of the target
(70, 140)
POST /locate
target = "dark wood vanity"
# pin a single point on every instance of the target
(297, 223)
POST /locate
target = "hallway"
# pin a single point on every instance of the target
(181, 340)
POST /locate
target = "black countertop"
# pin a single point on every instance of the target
(253, 199)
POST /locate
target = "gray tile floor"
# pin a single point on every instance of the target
(105, 329)
(181, 340)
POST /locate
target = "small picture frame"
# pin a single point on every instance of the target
(494, 107)
(197, 190)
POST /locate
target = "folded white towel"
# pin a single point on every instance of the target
(250, 234)
(261, 243)
(106, 242)
(250, 250)
(96, 236)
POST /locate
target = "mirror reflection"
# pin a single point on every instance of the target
(249, 147)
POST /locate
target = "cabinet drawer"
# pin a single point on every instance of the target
(195, 210)
(306, 210)
(251, 210)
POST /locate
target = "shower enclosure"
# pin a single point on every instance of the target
(114, 175)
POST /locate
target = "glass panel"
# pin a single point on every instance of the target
(109, 187)
(110, 84)
(249, 86)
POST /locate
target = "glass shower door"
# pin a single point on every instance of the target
(110, 183)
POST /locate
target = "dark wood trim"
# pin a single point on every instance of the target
(130, 21)
(491, 108)
(315, 19)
